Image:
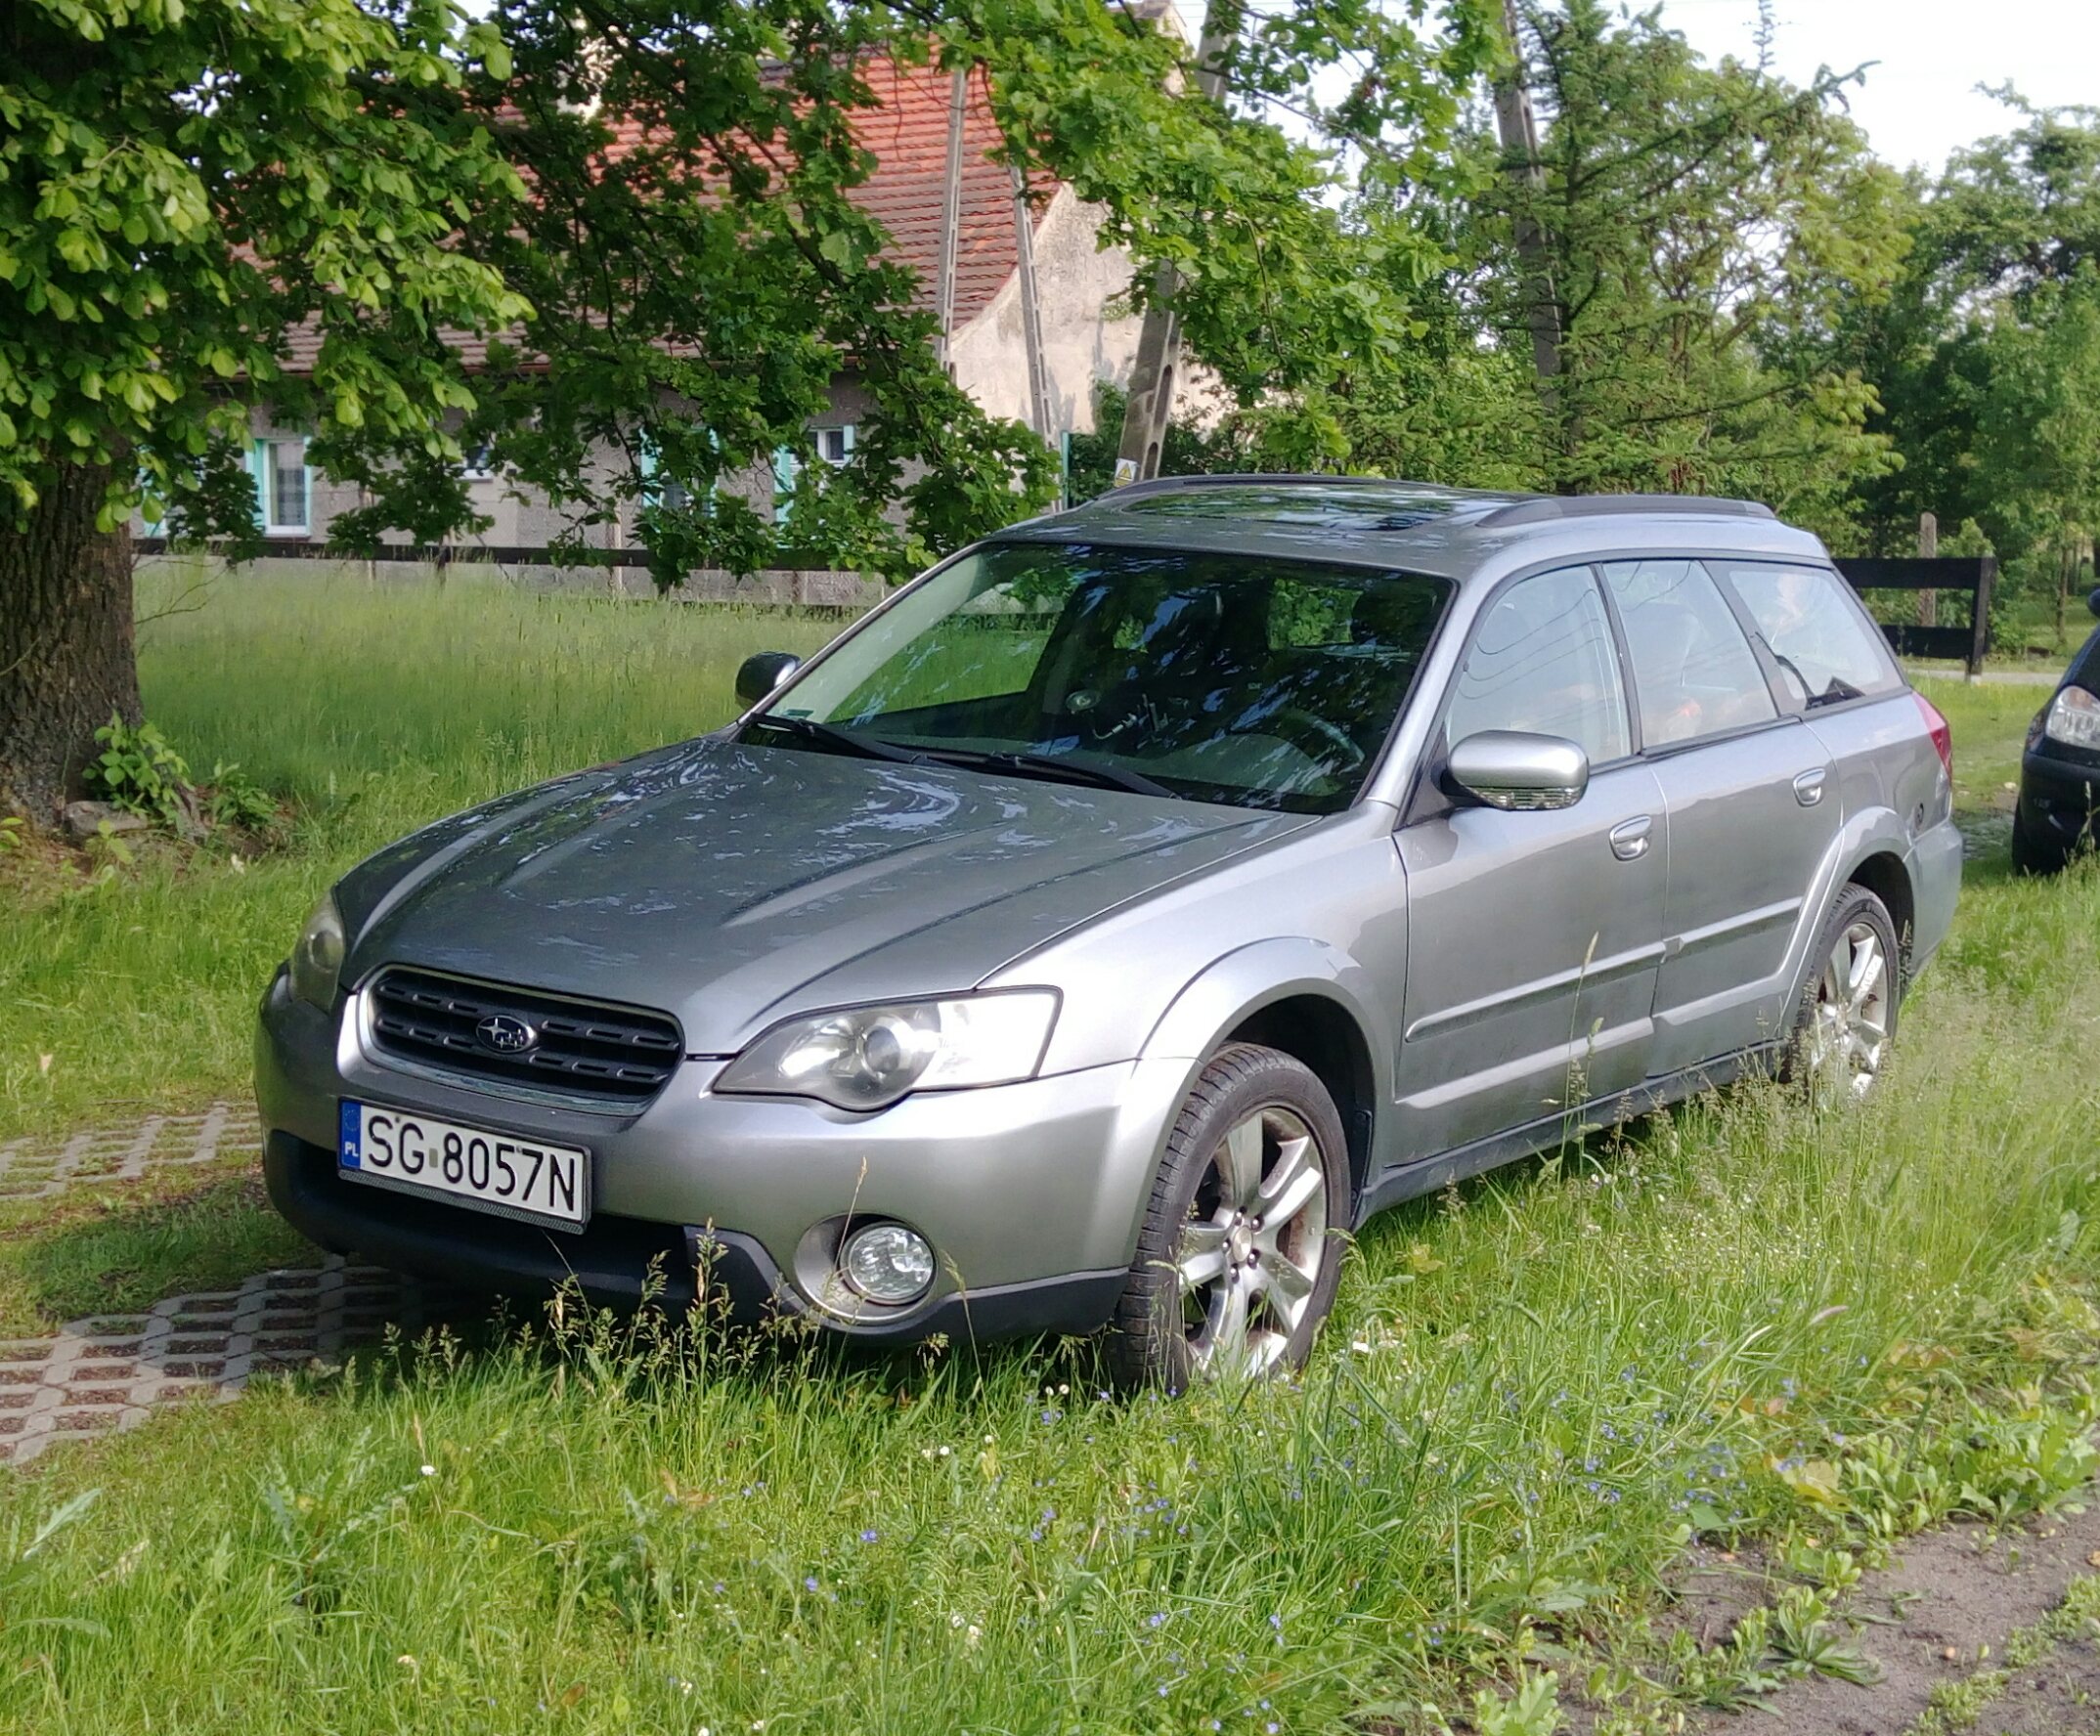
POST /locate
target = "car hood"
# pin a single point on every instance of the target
(729, 885)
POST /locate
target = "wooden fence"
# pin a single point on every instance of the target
(1972, 576)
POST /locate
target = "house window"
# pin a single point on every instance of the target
(279, 469)
(834, 446)
(476, 465)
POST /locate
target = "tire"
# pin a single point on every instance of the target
(2030, 855)
(1844, 1023)
(1244, 1320)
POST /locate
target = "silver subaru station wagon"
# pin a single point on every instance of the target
(1099, 930)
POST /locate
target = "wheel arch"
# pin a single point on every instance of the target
(1304, 999)
(1884, 873)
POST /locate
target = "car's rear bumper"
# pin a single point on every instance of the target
(1935, 868)
(1030, 1194)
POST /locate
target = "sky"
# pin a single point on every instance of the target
(1920, 100)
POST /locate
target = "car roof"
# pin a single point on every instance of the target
(1421, 527)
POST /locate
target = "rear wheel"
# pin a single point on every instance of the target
(1846, 1018)
(1240, 1254)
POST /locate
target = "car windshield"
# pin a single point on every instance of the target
(1217, 678)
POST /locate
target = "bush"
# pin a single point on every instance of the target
(139, 772)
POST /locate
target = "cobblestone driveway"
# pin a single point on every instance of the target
(34, 1167)
(109, 1373)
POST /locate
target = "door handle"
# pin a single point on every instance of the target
(1630, 838)
(1808, 786)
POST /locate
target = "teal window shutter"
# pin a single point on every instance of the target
(306, 492)
(785, 468)
(259, 475)
(645, 464)
(846, 438)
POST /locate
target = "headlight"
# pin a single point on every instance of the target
(318, 959)
(867, 1058)
(2073, 720)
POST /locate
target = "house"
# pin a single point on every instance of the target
(1084, 336)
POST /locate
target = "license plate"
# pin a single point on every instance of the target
(495, 1172)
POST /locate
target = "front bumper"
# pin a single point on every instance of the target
(1031, 1194)
(2058, 799)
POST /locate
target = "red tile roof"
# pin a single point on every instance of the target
(908, 135)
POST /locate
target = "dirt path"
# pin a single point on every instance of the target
(1944, 1615)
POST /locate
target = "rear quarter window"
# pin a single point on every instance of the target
(1827, 648)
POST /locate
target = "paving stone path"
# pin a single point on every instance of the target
(109, 1372)
(34, 1167)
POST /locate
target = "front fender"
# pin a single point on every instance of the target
(1228, 992)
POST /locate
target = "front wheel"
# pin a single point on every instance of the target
(1240, 1252)
(1846, 1018)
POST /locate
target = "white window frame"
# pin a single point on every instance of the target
(262, 467)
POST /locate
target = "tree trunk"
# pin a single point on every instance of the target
(66, 655)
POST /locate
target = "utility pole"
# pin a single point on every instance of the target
(1519, 130)
(1928, 550)
(950, 216)
(1154, 370)
(1032, 319)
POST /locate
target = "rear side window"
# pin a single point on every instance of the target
(1694, 673)
(1825, 648)
(1543, 662)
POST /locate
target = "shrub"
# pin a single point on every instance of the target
(139, 772)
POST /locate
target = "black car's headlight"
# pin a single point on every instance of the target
(867, 1058)
(2074, 719)
(317, 960)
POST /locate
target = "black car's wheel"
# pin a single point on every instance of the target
(2034, 855)
(1845, 1016)
(1241, 1251)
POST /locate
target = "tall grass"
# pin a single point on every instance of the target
(374, 709)
(1532, 1395)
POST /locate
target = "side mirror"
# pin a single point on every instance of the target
(760, 672)
(2092, 600)
(1508, 769)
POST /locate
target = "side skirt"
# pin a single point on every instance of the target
(1431, 1175)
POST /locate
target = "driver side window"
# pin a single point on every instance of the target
(1543, 662)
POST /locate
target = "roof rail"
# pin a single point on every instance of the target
(1161, 484)
(1551, 507)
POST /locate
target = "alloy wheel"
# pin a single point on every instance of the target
(1251, 1249)
(1849, 1030)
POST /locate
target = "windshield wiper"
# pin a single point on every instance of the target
(1054, 766)
(839, 741)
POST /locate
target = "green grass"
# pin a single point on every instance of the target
(1742, 1320)
(373, 709)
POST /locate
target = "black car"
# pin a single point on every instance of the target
(2060, 771)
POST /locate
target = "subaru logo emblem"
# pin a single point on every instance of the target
(504, 1035)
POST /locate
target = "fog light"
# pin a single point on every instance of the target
(888, 1263)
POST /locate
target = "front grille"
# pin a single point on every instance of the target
(618, 1054)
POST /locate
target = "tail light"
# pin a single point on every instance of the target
(1943, 738)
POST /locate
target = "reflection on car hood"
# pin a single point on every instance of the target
(730, 884)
